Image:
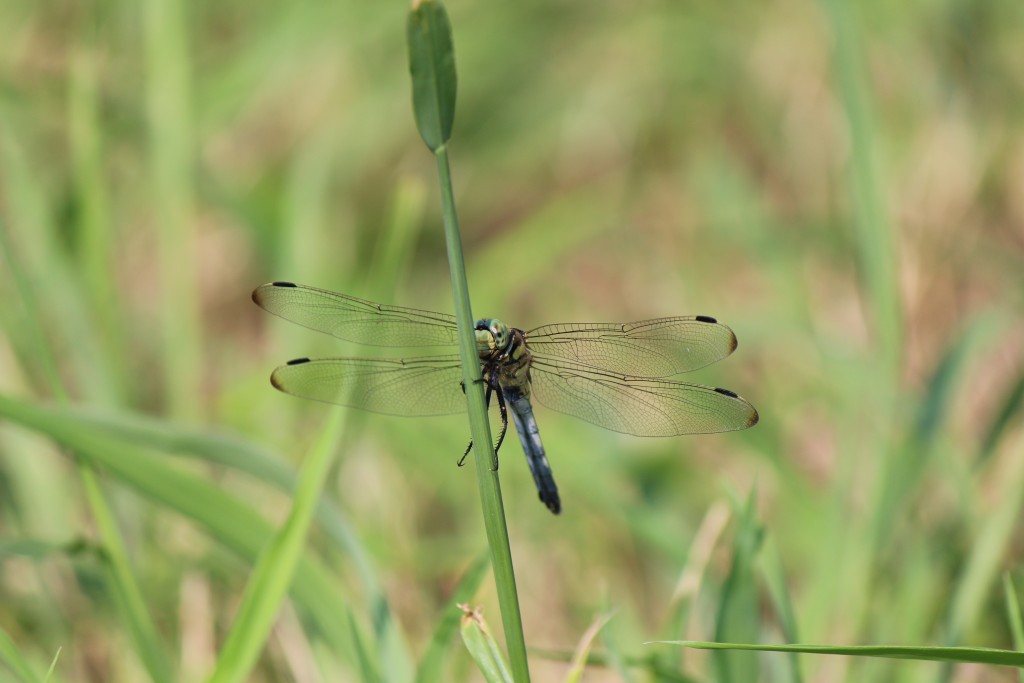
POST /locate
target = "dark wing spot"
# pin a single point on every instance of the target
(300, 361)
(706, 319)
(284, 284)
(725, 392)
(753, 419)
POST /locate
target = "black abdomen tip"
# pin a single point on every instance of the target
(551, 500)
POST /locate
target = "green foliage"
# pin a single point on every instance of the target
(838, 182)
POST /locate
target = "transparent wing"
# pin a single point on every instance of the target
(414, 387)
(649, 348)
(355, 320)
(636, 405)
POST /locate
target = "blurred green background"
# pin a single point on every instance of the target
(842, 183)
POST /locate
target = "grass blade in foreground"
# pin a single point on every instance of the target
(433, 659)
(229, 521)
(482, 647)
(964, 655)
(11, 657)
(775, 578)
(738, 608)
(1014, 617)
(582, 654)
(432, 65)
(125, 588)
(273, 574)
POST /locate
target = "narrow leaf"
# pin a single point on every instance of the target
(1014, 616)
(432, 66)
(582, 654)
(739, 610)
(226, 519)
(11, 657)
(973, 655)
(275, 569)
(1009, 407)
(482, 647)
(433, 658)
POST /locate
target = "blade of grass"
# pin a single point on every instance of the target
(272, 576)
(691, 577)
(168, 86)
(11, 657)
(243, 456)
(983, 562)
(582, 653)
(433, 659)
(1009, 407)
(974, 655)
(1014, 617)
(776, 579)
(53, 666)
(368, 672)
(738, 607)
(612, 651)
(94, 224)
(483, 648)
(876, 240)
(235, 525)
(123, 584)
(432, 65)
(122, 580)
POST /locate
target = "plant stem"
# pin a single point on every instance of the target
(485, 458)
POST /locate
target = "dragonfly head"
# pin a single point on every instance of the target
(492, 336)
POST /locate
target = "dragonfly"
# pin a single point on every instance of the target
(614, 375)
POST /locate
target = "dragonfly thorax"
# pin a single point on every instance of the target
(492, 337)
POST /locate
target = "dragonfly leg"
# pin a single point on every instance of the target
(487, 403)
(462, 383)
(504, 425)
(462, 460)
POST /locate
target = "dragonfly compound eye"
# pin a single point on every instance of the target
(500, 333)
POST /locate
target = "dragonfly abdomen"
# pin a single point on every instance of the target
(529, 436)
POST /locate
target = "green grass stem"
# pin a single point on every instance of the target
(432, 65)
(485, 458)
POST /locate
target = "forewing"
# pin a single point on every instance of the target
(355, 320)
(636, 405)
(414, 387)
(649, 348)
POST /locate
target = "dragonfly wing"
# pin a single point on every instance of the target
(638, 405)
(414, 387)
(355, 320)
(649, 348)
